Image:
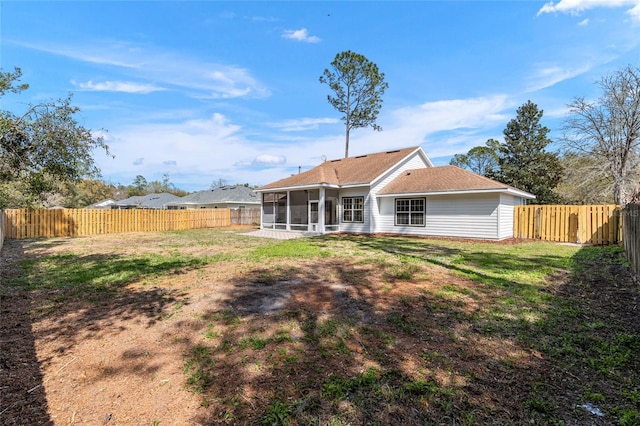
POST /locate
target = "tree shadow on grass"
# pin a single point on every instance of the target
(336, 341)
(302, 345)
(80, 297)
(21, 397)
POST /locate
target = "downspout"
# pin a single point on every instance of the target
(288, 215)
(321, 210)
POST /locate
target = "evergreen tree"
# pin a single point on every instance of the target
(358, 88)
(524, 162)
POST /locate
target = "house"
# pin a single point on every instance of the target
(396, 192)
(104, 204)
(149, 201)
(224, 197)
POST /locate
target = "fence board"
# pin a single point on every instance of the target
(1, 228)
(631, 235)
(21, 223)
(573, 224)
(245, 216)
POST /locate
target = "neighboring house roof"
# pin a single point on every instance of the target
(361, 169)
(446, 179)
(221, 195)
(104, 204)
(149, 201)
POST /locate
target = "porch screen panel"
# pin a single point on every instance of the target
(331, 207)
(274, 207)
(268, 208)
(281, 210)
(299, 207)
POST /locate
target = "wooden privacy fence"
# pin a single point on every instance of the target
(571, 224)
(245, 216)
(20, 223)
(631, 235)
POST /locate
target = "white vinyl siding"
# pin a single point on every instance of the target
(469, 216)
(379, 223)
(356, 227)
(507, 207)
(466, 216)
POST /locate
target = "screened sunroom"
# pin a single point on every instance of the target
(309, 210)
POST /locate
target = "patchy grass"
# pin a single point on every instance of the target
(344, 330)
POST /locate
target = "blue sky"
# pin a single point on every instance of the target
(207, 90)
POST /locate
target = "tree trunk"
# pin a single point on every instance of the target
(346, 144)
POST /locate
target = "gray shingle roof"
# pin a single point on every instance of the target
(104, 204)
(149, 201)
(223, 194)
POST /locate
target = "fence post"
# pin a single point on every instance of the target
(1, 229)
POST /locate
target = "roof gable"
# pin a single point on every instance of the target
(361, 169)
(444, 179)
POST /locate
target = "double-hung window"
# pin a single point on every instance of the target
(410, 211)
(353, 209)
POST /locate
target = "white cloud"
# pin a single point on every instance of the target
(118, 86)
(465, 122)
(546, 75)
(583, 23)
(138, 161)
(257, 18)
(574, 7)
(300, 35)
(200, 79)
(303, 124)
(214, 147)
(269, 159)
(101, 54)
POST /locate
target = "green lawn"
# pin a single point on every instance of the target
(343, 330)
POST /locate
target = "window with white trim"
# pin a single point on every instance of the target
(410, 211)
(353, 209)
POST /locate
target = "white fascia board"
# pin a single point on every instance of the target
(461, 192)
(355, 185)
(298, 188)
(520, 193)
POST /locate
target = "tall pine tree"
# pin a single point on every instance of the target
(524, 162)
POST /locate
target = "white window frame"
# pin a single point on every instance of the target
(349, 209)
(410, 208)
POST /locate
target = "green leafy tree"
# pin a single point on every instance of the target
(42, 148)
(482, 159)
(86, 192)
(140, 186)
(523, 159)
(165, 185)
(608, 131)
(358, 87)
